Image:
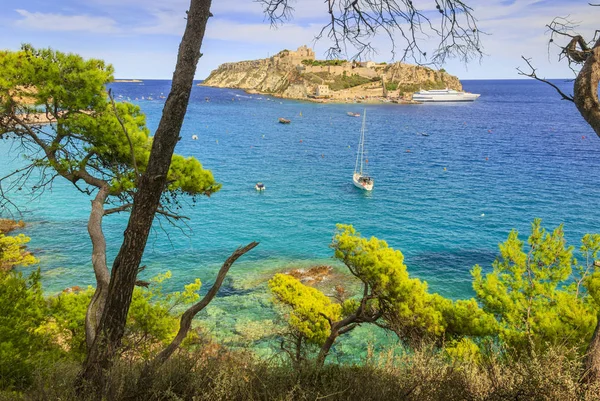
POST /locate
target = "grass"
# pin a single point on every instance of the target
(423, 375)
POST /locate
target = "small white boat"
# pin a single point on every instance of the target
(360, 178)
(195, 137)
(351, 114)
(260, 186)
(444, 95)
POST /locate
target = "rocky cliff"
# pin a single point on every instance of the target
(283, 76)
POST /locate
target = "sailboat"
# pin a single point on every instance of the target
(360, 178)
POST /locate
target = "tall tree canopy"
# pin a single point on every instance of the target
(55, 105)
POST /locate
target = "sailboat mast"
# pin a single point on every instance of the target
(362, 140)
(361, 146)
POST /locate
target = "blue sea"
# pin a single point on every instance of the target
(445, 199)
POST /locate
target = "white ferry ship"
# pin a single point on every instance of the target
(444, 95)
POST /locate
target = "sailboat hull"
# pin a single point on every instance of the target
(358, 183)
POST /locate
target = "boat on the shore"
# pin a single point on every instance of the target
(284, 120)
(360, 178)
(444, 95)
(351, 114)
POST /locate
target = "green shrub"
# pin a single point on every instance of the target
(23, 346)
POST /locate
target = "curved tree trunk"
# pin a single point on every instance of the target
(146, 200)
(586, 89)
(338, 328)
(96, 306)
(592, 357)
(326, 347)
(586, 100)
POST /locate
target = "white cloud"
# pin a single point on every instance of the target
(240, 29)
(164, 23)
(287, 34)
(61, 22)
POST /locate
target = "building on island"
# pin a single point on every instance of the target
(322, 91)
(296, 57)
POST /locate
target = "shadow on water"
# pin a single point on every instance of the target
(448, 272)
(227, 289)
(461, 258)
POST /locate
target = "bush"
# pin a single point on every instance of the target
(23, 347)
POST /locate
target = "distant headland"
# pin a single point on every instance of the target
(127, 80)
(298, 75)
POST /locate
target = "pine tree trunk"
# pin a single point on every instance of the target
(326, 347)
(146, 200)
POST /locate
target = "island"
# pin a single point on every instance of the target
(127, 80)
(298, 75)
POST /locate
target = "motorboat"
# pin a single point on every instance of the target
(284, 121)
(444, 95)
(260, 186)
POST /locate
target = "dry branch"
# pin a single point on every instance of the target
(357, 22)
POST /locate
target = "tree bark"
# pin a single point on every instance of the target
(586, 89)
(146, 200)
(592, 357)
(96, 306)
(586, 100)
(338, 328)
(326, 347)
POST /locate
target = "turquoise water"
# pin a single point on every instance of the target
(446, 200)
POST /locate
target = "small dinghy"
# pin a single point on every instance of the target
(284, 121)
(351, 114)
(260, 186)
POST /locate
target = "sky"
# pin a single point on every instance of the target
(140, 37)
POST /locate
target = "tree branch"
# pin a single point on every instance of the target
(357, 22)
(171, 215)
(533, 75)
(118, 209)
(112, 101)
(187, 317)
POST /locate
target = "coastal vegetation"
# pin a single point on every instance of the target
(103, 148)
(338, 82)
(523, 335)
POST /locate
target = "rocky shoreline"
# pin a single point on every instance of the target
(7, 225)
